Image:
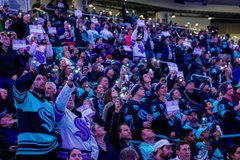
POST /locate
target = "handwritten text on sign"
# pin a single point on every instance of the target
(78, 13)
(36, 29)
(86, 111)
(172, 106)
(16, 44)
(172, 67)
(52, 30)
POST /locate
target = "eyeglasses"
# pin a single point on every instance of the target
(76, 155)
(163, 87)
(229, 88)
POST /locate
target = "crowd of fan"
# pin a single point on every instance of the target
(100, 90)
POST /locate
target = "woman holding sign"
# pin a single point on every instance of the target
(163, 122)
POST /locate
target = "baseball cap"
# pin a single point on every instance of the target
(199, 132)
(140, 64)
(190, 111)
(189, 82)
(161, 143)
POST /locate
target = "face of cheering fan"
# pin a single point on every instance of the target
(75, 155)
(39, 83)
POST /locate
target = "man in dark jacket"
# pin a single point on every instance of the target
(8, 136)
(10, 67)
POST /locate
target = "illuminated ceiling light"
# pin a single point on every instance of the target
(196, 24)
(127, 11)
(133, 11)
(94, 8)
(173, 15)
(90, 5)
(209, 18)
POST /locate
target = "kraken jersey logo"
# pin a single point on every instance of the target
(221, 107)
(84, 131)
(135, 107)
(46, 116)
(84, 37)
(142, 114)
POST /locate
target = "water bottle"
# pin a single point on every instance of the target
(219, 129)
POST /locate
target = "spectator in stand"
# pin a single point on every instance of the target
(40, 50)
(67, 57)
(128, 37)
(5, 100)
(62, 6)
(180, 54)
(136, 112)
(145, 80)
(24, 30)
(157, 45)
(234, 152)
(67, 28)
(149, 46)
(167, 54)
(103, 80)
(227, 74)
(205, 92)
(192, 123)
(75, 154)
(65, 72)
(74, 130)
(206, 145)
(97, 100)
(106, 34)
(11, 67)
(228, 111)
(50, 91)
(8, 136)
(111, 75)
(111, 99)
(170, 124)
(192, 96)
(162, 150)
(138, 41)
(176, 95)
(32, 107)
(106, 149)
(188, 136)
(81, 35)
(128, 154)
(83, 91)
(53, 38)
(146, 147)
(183, 151)
(92, 34)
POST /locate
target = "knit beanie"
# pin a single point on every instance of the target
(134, 89)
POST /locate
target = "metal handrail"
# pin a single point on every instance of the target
(229, 136)
(198, 75)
